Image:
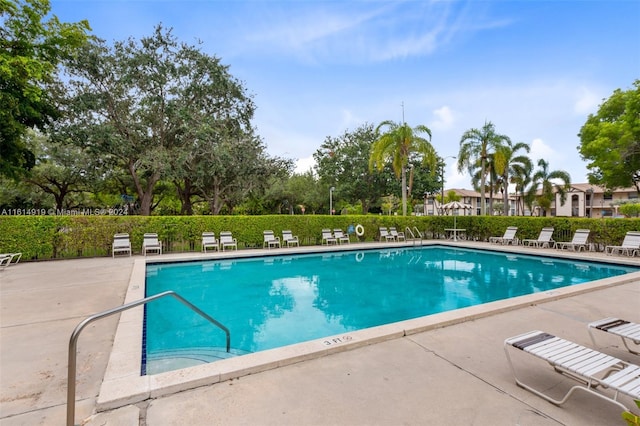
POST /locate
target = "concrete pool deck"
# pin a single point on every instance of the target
(449, 374)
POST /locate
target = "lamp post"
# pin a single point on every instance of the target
(444, 164)
(331, 200)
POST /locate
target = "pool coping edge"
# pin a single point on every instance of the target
(123, 385)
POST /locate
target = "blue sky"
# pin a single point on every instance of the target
(536, 68)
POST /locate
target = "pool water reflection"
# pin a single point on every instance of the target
(269, 302)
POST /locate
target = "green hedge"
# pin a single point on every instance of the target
(56, 237)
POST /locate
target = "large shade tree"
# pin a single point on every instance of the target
(475, 147)
(30, 50)
(144, 103)
(343, 162)
(396, 144)
(62, 171)
(610, 140)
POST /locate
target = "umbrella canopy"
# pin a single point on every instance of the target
(456, 205)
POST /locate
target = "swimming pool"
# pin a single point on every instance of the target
(268, 302)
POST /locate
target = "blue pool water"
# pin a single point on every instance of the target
(269, 302)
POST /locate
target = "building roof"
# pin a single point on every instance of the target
(575, 187)
(583, 187)
(472, 193)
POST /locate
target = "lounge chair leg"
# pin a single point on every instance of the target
(559, 402)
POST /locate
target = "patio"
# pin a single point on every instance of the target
(454, 373)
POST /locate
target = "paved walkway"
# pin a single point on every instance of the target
(455, 375)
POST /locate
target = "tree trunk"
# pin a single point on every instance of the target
(184, 195)
(505, 196)
(145, 194)
(404, 191)
(483, 181)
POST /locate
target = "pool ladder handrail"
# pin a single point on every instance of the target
(73, 341)
(409, 231)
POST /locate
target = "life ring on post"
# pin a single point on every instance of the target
(359, 230)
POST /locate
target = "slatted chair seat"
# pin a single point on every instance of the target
(328, 238)
(209, 241)
(339, 235)
(509, 237)
(270, 240)
(228, 241)
(628, 331)
(578, 242)
(594, 370)
(544, 239)
(630, 245)
(290, 239)
(385, 235)
(397, 236)
(121, 244)
(151, 244)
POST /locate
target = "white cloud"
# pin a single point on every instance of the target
(303, 165)
(362, 31)
(540, 150)
(587, 102)
(444, 119)
(453, 179)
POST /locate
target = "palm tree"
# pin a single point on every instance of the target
(490, 172)
(542, 179)
(521, 177)
(477, 144)
(506, 163)
(397, 144)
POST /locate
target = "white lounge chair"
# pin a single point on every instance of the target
(341, 236)
(328, 238)
(4, 260)
(209, 241)
(578, 242)
(227, 240)
(626, 330)
(592, 369)
(121, 244)
(509, 237)
(544, 239)
(630, 245)
(270, 240)
(290, 239)
(397, 236)
(10, 258)
(151, 244)
(385, 235)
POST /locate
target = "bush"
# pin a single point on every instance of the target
(56, 237)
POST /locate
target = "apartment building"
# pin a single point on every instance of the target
(583, 200)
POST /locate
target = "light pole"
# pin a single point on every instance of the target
(331, 199)
(444, 164)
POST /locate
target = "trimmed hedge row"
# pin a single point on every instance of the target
(57, 237)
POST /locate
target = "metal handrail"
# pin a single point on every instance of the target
(410, 232)
(418, 231)
(73, 342)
